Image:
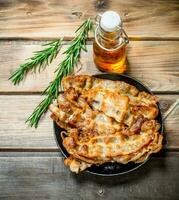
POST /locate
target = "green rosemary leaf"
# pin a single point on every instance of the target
(38, 112)
(39, 61)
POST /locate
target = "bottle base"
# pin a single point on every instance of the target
(119, 70)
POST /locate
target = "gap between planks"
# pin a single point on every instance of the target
(57, 150)
(132, 38)
(40, 92)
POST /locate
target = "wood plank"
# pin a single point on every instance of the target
(30, 154)
(171, 126)
(14, 112)
(155, 63)
(47, 178)
(51, 19)
(16, 136)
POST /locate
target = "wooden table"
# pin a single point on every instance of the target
(31, 166)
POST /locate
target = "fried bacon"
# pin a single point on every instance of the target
(106, 121)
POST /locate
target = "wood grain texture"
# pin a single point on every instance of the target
(16, 135)
(155, 63)
(53, 18)
(47, 178)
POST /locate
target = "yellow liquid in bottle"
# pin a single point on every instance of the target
(112, 60)
(109, 51)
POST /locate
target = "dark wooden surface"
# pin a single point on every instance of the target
(39, 19)
(153, 62)
(45, 177)
(31, 166)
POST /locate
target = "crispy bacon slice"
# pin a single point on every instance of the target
(76, 165)
(110, 103)
(68, 116)
(82, 82)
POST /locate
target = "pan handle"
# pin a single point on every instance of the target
(171, 109)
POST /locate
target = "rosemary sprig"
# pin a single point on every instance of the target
(64, 68)
(39, 61)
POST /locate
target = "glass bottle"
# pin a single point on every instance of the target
(109, 47)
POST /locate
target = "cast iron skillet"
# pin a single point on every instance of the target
(111, 169)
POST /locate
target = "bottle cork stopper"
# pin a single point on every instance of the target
(110, 21)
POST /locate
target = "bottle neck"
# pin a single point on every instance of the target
(109, 40)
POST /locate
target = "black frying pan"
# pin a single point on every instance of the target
(111, 169)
